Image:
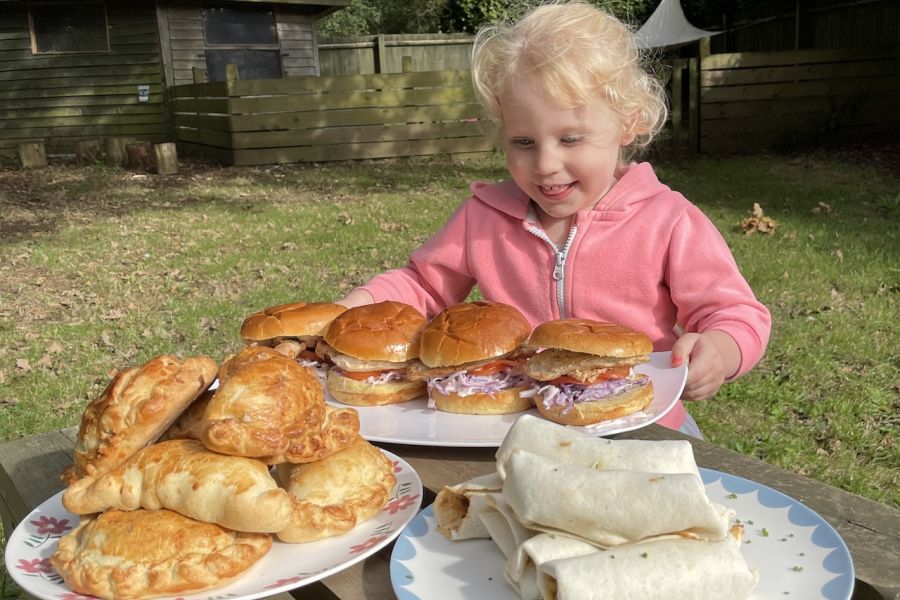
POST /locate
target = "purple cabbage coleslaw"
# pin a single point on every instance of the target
(319, 368)
(568, 395)
(386, 376)
(466, 384)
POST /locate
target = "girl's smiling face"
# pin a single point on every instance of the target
(564, 159)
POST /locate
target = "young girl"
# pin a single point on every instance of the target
(578, 232)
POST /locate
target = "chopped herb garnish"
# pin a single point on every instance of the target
(764, 532)
(643, 555)
(749, 522)
(731, 496)
(796, 568)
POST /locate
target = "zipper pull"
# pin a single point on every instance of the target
(560, 264)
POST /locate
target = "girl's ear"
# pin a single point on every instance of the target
(629, 130)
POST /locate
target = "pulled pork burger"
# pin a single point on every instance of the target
(586, 371)
(293, 330)
(371, 347)
(471, 356)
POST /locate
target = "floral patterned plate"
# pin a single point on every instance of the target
(285, 567)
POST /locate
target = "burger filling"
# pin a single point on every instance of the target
(488, 379)
(566, 392)
(375, 377)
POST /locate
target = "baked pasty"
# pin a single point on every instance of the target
(330, 496)
(339, 429)
(265, 401)
(183, 476)
(136, 407)
(143, 554)
(189, 424)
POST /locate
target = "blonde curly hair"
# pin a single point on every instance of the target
(574, 53)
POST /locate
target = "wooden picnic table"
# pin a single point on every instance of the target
(29, 469)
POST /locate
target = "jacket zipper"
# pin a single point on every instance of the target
(559, 269)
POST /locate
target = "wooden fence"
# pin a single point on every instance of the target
(385, 53)
(311, 119)
(720, 103)
(760, 100)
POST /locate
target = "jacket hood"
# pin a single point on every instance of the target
(637, 184)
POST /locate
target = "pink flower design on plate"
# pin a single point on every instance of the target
(397, 467)
(74, 596)
(35, 565)
(50, 525)
(369, 543)
(394, 506)
(282, 582)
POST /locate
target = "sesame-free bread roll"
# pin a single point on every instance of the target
(331, 496)
(183, 476)
(264, 401)
(144, 554)
(137, 406)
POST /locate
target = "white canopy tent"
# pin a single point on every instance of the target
(668, 27)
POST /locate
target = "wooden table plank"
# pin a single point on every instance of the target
(29, 467)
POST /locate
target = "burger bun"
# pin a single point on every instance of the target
(498, 403)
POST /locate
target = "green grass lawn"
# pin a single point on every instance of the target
(101, 268)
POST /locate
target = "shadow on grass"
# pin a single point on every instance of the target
(41, 201)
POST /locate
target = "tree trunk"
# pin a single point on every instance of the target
(140, 156)
(33, 155)
(166, 158)
(115, 150)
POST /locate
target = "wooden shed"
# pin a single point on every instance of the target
(77, 70)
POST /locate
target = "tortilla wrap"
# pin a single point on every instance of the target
(657, 570)
(567, 445)
(608, 507)
(457, 507)
(503, 526)
(521, 568)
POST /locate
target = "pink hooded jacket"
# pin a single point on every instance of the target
(643, 257)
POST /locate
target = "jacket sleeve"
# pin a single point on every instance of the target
(709, 291)
(437, 274)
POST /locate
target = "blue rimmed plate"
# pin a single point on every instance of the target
(798, 554)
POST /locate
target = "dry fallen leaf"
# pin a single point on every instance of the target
(44, 361)
(54, 347)
(22, 365)
(758, 222)
(822, 208)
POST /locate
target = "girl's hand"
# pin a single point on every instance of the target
(356, 297)
(712, 357)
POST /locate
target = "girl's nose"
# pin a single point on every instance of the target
(547, 161)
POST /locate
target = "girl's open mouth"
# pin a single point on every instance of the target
(556, 191)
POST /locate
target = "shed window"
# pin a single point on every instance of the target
(245, 36)
(61, 27)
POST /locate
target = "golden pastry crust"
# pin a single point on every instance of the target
(144, 554)
(265, 401)
(137, 406)
(183, 476)
(189, 424)
(339, 429)
(331, 496)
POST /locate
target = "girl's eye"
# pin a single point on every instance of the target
(571, 139)
(523, 142)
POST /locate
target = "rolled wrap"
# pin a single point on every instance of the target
(607, 507)
(457, 507)
(567, 445)
(521, 568)
(658, 570)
